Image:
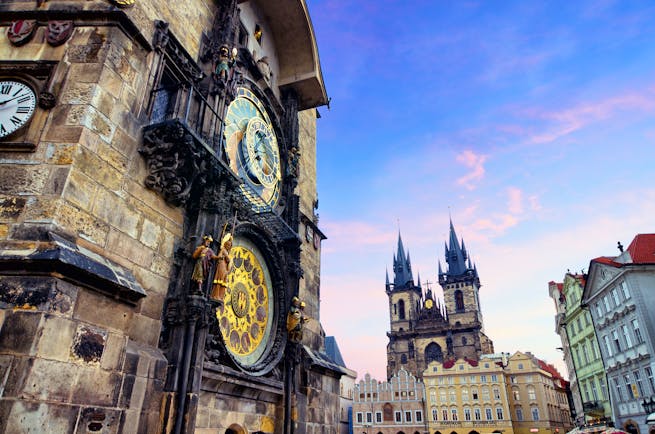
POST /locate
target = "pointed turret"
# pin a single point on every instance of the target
(387, 284)
(402, 267)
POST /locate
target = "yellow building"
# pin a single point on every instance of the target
(467, 396)
(537, 396)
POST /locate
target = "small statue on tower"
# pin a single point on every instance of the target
(296, 319)
(223, 268)
(225, 62)
(203, 256)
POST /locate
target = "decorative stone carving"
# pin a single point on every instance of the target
(47, 100)
(58, 32)
(172, 160)
(21, 32)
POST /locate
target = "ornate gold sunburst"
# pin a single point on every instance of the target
(245, 315)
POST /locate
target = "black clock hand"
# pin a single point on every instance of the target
(10, 99)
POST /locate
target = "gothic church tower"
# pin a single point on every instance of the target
(424, 328)
(461, 285)
(404, 303)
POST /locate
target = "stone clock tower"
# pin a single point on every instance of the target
(424, 328)
(159, 236)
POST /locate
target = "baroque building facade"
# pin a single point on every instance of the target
(467, 395)
(618, 294)
(422, 329)
(389, 407)
(585, 364)
(159, 242)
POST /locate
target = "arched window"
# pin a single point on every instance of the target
(459, 301)
(433, 352)
(463, 340)
(435, 415)
(403, 359)
(387, 411)
(401, 309)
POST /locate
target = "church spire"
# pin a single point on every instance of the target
(455, 256)
(402, 267)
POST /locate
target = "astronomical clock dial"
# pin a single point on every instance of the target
(246, 315)
(17, 104)
(252, 150)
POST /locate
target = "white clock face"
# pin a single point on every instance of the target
(17, 104)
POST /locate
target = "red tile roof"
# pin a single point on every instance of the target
(642, 249)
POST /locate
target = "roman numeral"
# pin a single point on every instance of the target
(18, 91)
(24, 99)
(23, 109)
(2, 129)
(5, 89)
(15, 120)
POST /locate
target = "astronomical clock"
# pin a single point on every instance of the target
(248, 316)
(251, 313)
(252, 151)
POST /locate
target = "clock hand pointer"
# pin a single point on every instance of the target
(10, 99)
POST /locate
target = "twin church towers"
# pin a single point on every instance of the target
(423, 328)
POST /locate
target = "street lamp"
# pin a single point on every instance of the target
(649, 407)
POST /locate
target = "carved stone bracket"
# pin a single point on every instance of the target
(173, 160)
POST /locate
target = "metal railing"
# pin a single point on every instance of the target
(185, 103)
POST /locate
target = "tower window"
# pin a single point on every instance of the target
(459, 301)
(401, 309)
(433, 352)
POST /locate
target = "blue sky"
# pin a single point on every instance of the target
(530, 123)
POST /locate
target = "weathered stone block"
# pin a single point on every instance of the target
(50, 380)
(81, 190)
(23, 180)
(100, 420)
(59, 153)
(84, 72)
(57, 180)
(56, 338)
(41, 209)
(150, 232)
(95, 386)
(63, 133)
(90, 164)
(112, 157)
(88, 344)
(129, 423)
(151, 306)
(145, 330)
(98, 309)
(19, 332)
(83, 223)
(111, 208)
(114, 353)
(11, 207)
(129, 248)
(28, 417)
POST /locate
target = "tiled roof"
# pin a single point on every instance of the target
(642, 249)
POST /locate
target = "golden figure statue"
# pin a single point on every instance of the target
(204, 256)
(296, 319)
(223, 268)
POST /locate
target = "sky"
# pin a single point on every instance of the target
(530, 124)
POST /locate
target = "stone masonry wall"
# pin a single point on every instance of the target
(71, 358)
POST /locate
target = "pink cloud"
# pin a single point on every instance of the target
(475, 162)
(572, 119)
